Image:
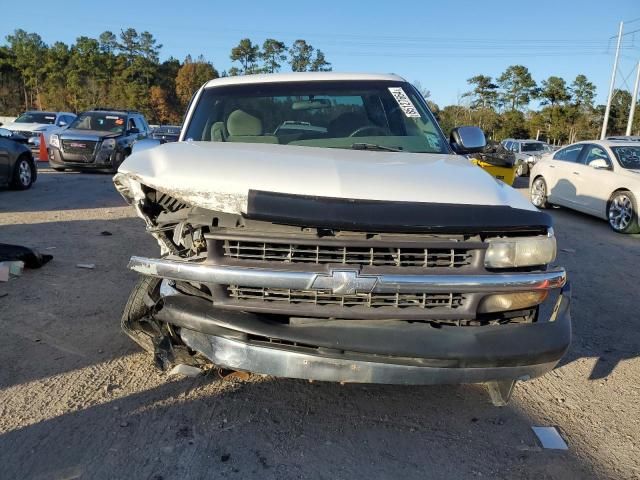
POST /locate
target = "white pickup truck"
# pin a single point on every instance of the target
(320, 226)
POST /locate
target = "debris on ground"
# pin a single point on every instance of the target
(550, 438)
(30, 257)
(4, 272)
(187, 370)
(237, 376)
(89, 266)
(106, 233)
(10, 269)
(568, 250)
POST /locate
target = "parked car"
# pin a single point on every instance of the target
(366, 250)
(527, 153)
(629, 138)
(497, 161)
(17, 166)
(97, 139)
(599, 177)
(33, 123)
(166, 133)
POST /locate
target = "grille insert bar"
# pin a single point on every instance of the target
(327, 298)
(348, 255)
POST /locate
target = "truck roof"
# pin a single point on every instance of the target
(300, 77)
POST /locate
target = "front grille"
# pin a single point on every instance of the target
(347, 255)
(327, 298)
(79, 147)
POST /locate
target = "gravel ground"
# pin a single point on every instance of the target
(79, 400)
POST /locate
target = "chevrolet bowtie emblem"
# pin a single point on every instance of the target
(345, 282)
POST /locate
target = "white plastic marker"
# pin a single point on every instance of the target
(406, 105)
(550, 438)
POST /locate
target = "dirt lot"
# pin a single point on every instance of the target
(79, 400)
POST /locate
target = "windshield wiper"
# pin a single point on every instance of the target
(373, 146)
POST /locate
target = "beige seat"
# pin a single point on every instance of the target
(219, 132)
(244, 127)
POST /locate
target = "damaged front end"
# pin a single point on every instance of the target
(344, 290)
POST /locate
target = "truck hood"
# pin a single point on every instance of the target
(74, 134)
(27, 127)
(219, 176)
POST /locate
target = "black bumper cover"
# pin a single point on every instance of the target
(510, 345)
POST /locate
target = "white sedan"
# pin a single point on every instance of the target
(601, 178)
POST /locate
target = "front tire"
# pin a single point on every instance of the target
(23, 173)
(539, 193)
(622, 212)
(142, 298)
(118, 158)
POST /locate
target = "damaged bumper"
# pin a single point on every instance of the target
(390, 352)
(368, 349)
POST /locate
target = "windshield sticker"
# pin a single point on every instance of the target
(112, 117)
(50, 118)
(403, 101)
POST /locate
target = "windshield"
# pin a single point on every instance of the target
(628, 157)
(533, 147)
(100, 121)
(330, 114)
(37, 117)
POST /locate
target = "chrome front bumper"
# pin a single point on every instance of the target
(345, 280)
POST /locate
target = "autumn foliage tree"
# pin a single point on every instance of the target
(191, 76)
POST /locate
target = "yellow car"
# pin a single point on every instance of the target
(505, 173)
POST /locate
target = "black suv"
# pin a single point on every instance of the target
(97, 139)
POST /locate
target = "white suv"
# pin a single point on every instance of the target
(32, 123)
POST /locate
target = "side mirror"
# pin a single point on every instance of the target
(62, 123)
(599, 164)
(5, 133)
(134, 130)
(467, 140)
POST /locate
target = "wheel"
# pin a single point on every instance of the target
(23, 174)
(117, 160)
(539, 193)
(143, 297)
(622, 212)
(153, 336)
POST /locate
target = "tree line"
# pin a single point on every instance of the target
(566, 113)
(125, 71)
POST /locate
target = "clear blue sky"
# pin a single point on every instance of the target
(440, 45)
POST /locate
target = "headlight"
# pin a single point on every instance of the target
(54, 141)
(109, 144)
(511, 301)
(520, 251)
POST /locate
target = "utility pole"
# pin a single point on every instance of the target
(633, 102)
(605, 123)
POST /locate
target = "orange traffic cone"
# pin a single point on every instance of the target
(44, 156)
